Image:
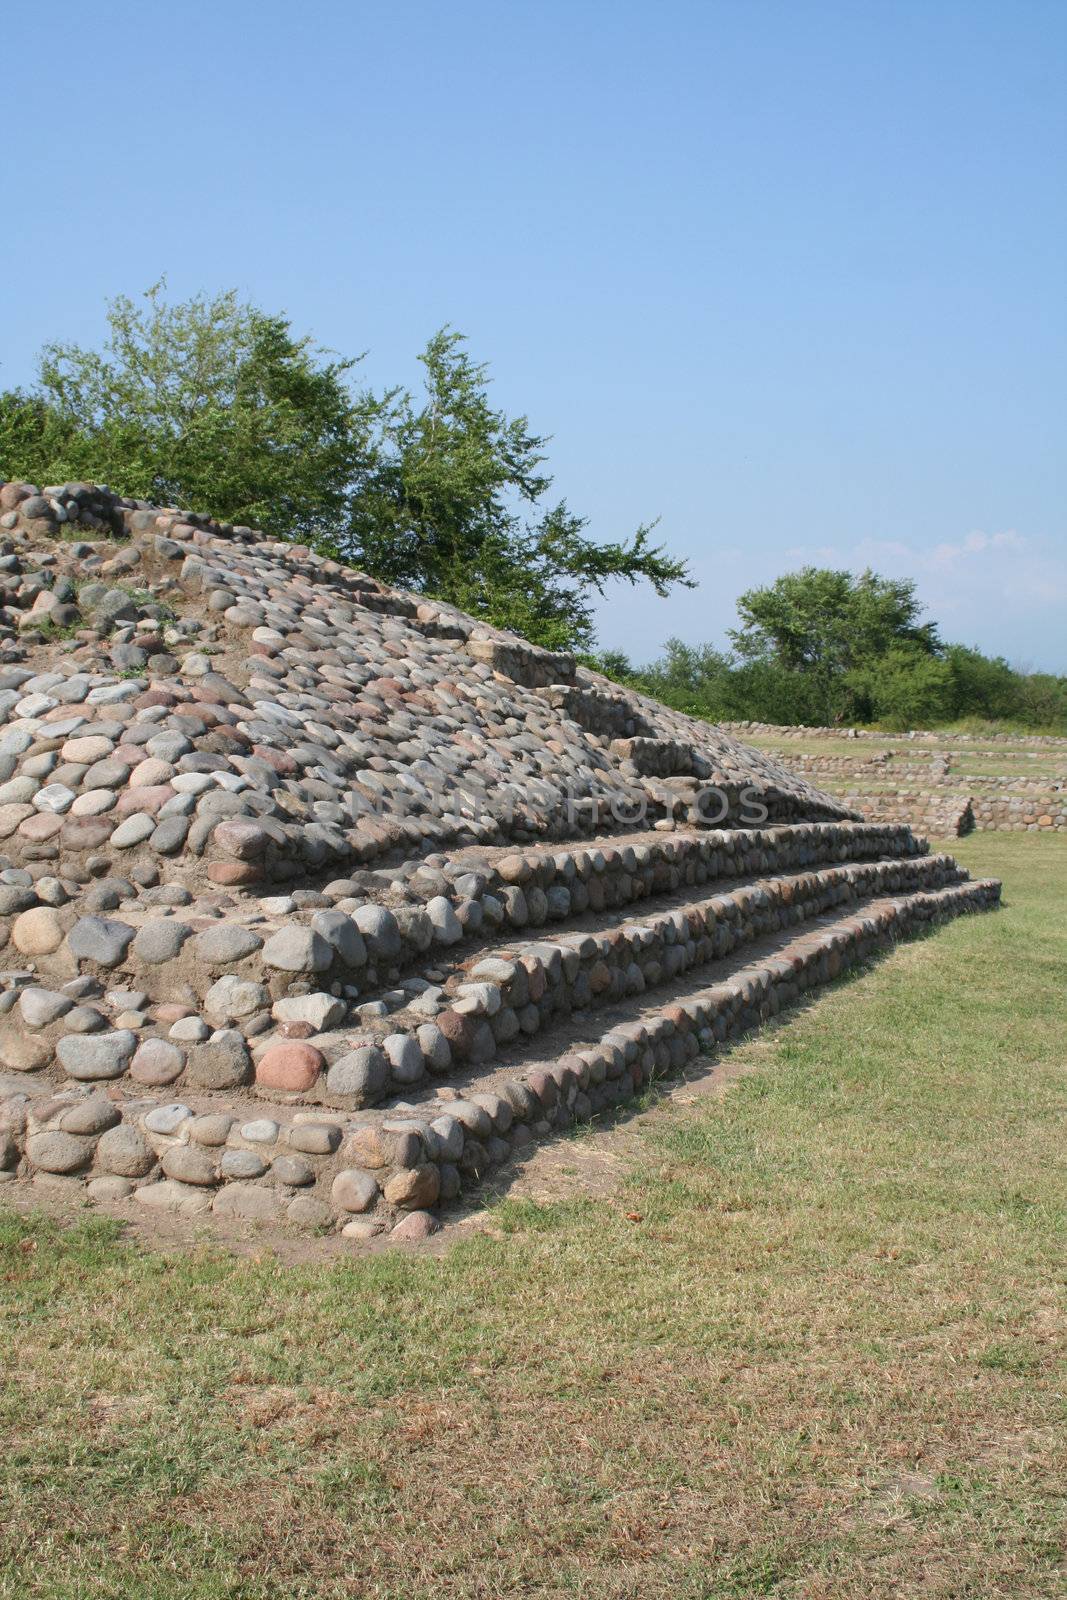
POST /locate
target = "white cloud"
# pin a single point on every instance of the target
(944, 557)
(1003, 591)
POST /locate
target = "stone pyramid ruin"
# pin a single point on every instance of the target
(320, 901)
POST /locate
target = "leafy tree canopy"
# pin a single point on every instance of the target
(457, 508)
(214, 405)
(825, 624)
(209, 404)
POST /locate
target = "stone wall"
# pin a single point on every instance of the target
(311, 888)
(286, 969)
(924, 736)
(377, 1171)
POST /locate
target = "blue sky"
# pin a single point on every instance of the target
(788, 274)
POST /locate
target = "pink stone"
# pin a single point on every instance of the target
(11, 816)
(150, 773)
(241, 839)
(458, 1030)
(284, 765)
(543, 1087)
(149, 799)
(157, 1061)
(416, 1226)
(292, 1067)
(40, 827)
(12, 493)
(85, 833)
(234, 872)
(171, 1011)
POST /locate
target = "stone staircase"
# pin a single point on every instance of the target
(462, 1056)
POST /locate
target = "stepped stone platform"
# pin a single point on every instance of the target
(945, 816)
(934, 789)
(320, 900)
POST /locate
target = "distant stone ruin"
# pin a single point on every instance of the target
(321, 901)
(908, 781)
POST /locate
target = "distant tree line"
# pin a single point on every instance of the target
(821, 647)
(213, 405)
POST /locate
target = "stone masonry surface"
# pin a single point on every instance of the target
(319, 900)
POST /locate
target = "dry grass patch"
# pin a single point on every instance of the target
(810, 1346)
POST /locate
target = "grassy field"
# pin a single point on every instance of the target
(811, 1347)
(975, 759)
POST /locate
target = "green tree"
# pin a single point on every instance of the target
(822, 625)
(982, 686)
(906, 687)
(209, 404)
(32, 437)
(216, 406)
(455, 508)
(1041, 700)
(614, 664)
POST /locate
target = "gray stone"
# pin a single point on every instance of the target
(97, 1055)
(242, 1164)
(167, 1119)
(405, 1058)
(133, 830)
(341, 932)
(112, 606)
(261, 1130)
(380, 931)
(354, 1190)
(225, 944)
(249, 1202)
(160, 941)
(446, 926)
(436, 1050)
(308, 1212)
(449, 1131)
(54, 1151)
(191, 1163)
(297, 949)
(108, 1190)
(230, 998)
(169, 1195)
(126, 1152)
(319, 1011)
(293, 1171)
(361, 1075)
(212, 1128)
(94, 1115)
(189, 1030)
(314, 1138)
(169, 835)
(100, 940)
(39, 1007)
(54, 797)
(223, 1062)
(84, 1019)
